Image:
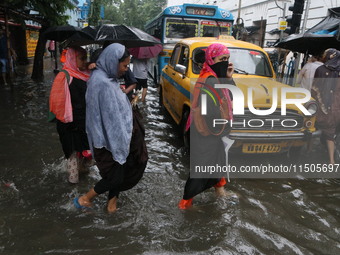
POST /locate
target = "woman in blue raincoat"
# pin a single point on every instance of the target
(110, 126)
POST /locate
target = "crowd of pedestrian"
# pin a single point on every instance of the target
(326, 91)
(96, 122)
(320, 75)
(91, 102)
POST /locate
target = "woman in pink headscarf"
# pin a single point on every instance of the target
(208, 150)
(67, 102)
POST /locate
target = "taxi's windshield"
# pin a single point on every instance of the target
(246, 61)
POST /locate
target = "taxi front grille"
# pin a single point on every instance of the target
(292, 121)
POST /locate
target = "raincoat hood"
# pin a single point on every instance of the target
(108, 110)
(109, 59)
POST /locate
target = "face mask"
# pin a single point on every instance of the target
(220, 68)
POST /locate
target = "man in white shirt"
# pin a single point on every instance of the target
(140, 71)
(306, 75)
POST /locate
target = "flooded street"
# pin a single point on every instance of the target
(37, 216)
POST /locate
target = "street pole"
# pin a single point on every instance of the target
(298, 58)
(284, 16)
(281, 36)
(304, 24)
(239, 9)
(238, 20)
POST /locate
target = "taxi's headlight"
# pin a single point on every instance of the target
(312, 107)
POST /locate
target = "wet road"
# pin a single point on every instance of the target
(279, 216)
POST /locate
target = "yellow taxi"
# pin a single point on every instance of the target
(283, 130)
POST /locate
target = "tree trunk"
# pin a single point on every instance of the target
(38, 64)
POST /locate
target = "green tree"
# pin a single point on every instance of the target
(151, 8)
(50, 13)
(94, 15)
(113, 14)
(133, 12)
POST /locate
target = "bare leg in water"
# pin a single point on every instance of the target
(331, 149)
(144, 91)
(86, 200)
(220, 191)
(112, 205)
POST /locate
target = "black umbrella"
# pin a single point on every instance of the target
(61, 33)
(320, 37)
(83, 37)
(129, 36)
(309, 43)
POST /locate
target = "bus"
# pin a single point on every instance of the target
(188, 20)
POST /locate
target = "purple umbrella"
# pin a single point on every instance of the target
(146, 52)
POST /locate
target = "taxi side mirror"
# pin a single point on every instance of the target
(180, 68)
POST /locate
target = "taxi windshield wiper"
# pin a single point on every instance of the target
(240, 71)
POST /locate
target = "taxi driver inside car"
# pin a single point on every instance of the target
(238, 107)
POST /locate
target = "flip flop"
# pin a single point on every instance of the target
(79, 206)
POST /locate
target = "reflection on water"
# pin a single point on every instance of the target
(280, 216)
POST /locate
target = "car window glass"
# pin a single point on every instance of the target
(174, 56)
(184, 57)
(250, 62)
(244, 60)
(198, 58)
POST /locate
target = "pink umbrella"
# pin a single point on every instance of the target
(146, 52)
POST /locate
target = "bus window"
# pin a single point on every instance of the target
(211, 29)
(174, 56)
(179, 28)
(214, 31)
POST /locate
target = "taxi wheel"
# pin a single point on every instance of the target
(185, 134)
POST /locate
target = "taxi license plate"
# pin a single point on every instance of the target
(261, 148)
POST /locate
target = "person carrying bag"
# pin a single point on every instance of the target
(206, 141)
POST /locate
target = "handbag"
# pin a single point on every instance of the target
(199, 119)
(51, 116)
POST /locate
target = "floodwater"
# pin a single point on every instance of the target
(261, 216)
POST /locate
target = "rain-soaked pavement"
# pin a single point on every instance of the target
(263, 216)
